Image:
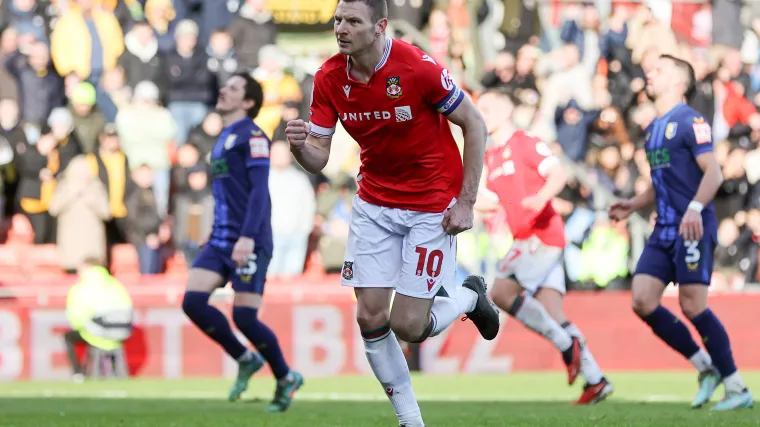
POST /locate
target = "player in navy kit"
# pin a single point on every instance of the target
(240, 245)
(685, 177)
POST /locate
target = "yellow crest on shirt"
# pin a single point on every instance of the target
(670, 130)
(257, 132)
(229, 142)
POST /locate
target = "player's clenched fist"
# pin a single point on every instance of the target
(620, 210)
(458, 219)
(297, 131)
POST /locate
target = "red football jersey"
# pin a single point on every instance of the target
(408, 155)
(516, 170)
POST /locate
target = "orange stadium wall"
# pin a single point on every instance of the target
(316, 327)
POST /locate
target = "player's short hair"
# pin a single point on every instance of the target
(379, 8)
(688, 72)
(253, 92)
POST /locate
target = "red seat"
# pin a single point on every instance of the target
(176, 265)
(124, 260)
(41, 260)
(10, 257)
(21, 230)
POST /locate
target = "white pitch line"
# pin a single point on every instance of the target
(355, 397)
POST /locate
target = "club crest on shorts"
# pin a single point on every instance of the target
(393, 87)
(348, 270)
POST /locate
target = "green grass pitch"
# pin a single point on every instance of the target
(533, 399)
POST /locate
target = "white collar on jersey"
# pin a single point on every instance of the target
(383, 60)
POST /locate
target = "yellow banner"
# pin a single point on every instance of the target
(302, 12)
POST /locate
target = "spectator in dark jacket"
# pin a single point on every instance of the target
(143, 222)
(204, 136)
(191, 84)
(222, 61)
(40, 87)
(573, 128)
(140, 60)
(252, 29)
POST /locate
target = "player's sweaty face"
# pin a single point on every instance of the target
(353, 27)
(231, 95)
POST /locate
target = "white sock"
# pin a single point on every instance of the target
(389, 365)
(446, 310)
(533, 315)
(589, 368)
(701, 360)
(734, 383)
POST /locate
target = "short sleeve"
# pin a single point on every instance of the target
(438, 87)
(539, 155)
(256, 152)
(322, 114)
(698, 136)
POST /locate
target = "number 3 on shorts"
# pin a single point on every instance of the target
(692, 252)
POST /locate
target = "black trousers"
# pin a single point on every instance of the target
(73, 338)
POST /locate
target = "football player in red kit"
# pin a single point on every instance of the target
(415, 194)
(522, 176)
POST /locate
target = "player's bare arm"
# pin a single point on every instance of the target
(556, 179)
(310, 151)
(459, 218)
(691, 225)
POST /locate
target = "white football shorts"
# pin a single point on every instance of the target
(534, 265)
(408, 251)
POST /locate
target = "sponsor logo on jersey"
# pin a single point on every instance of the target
(428, 59)
(702, 131)
(659, 158)
(348, 270)
(403, 114)
(259, 147)
(446, 80)
(393, 87)
(219, 168)
(670, 130)
(400, 114)
(347, 90)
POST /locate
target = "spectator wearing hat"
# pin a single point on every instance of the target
(147, 131)
(110, 165)
(88, 120)
(87, 40)
(40, 88)
(191, 83)
(60, 125)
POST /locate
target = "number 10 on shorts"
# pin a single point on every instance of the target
(431, 263)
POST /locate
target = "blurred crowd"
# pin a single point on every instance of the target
(107, 121)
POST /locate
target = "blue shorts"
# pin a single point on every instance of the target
(678, 261)
(247, 279)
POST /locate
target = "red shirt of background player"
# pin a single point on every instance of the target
(517, 169)
(408, 155)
